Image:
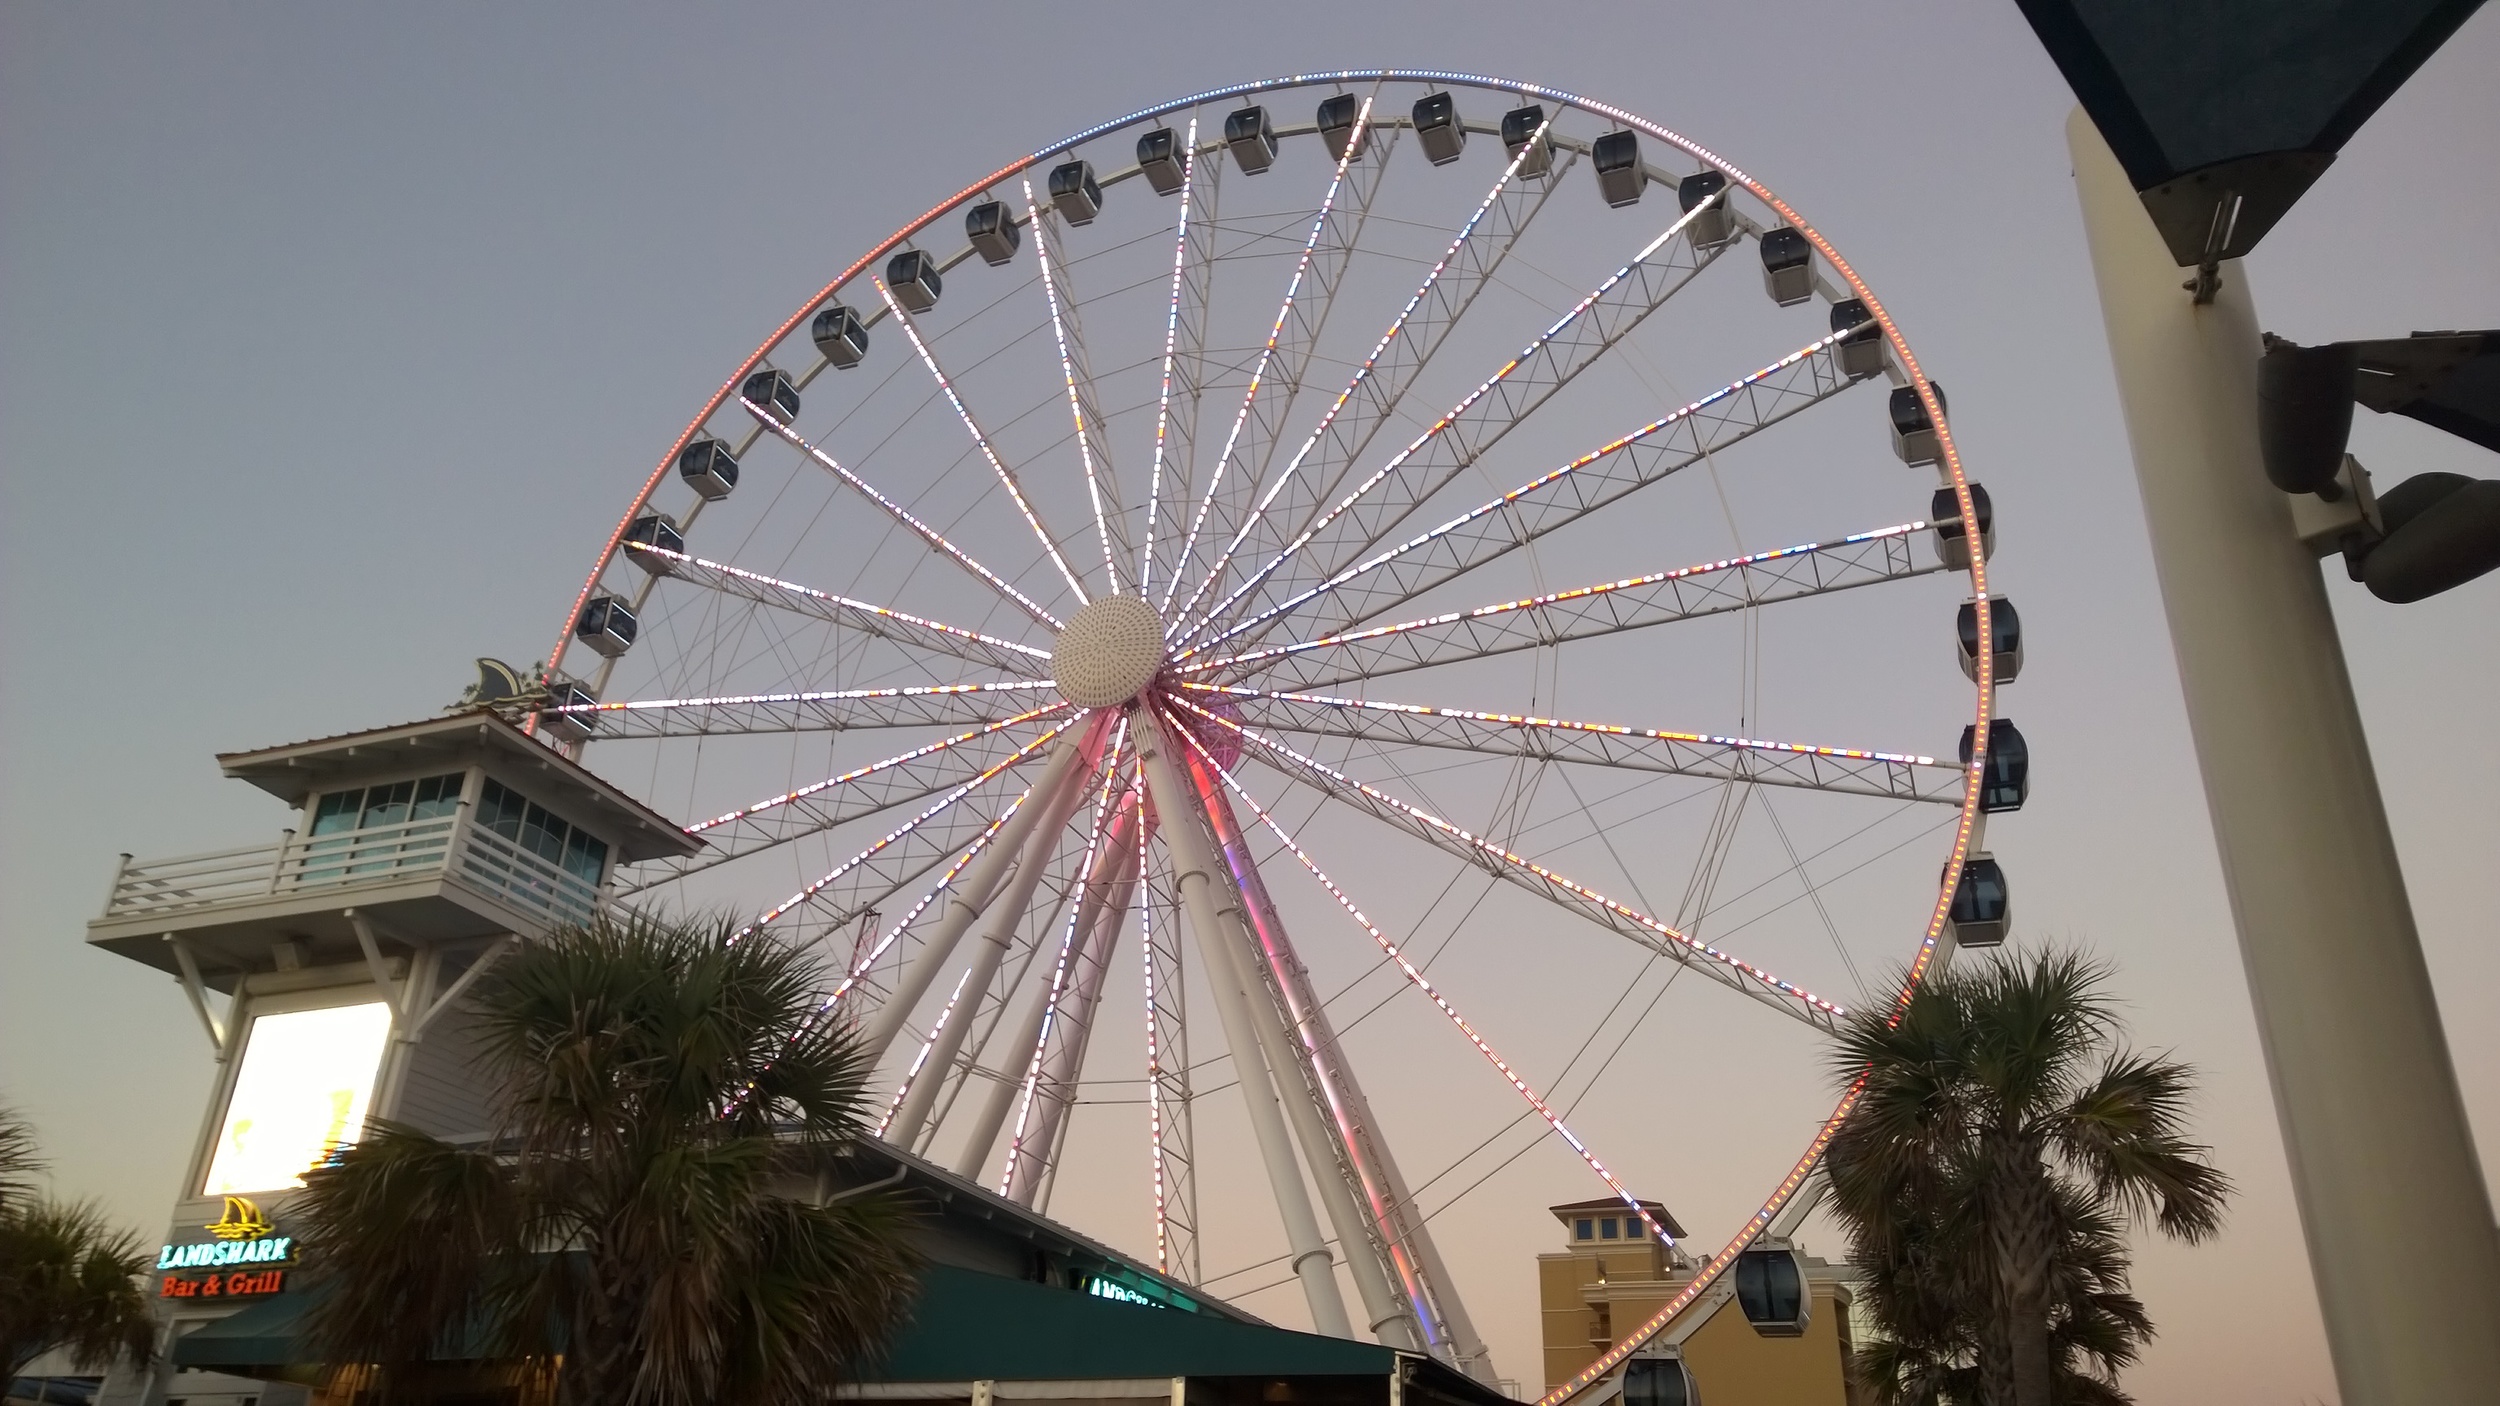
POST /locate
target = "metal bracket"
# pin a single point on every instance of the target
(197, 990)
(393, 989)
(493, 953)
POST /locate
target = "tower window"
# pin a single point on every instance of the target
(1632, 1227)
(1606, 1228)
(1582, 1229)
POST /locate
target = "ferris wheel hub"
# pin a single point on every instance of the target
(1109, 652)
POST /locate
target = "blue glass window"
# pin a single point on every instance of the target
(1581, 1229)
(1606, 1228)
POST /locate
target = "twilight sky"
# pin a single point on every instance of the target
(332, 343)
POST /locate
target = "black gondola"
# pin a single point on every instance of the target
(1160, 158)
(1771, 1289)
(771, 393)
(1438, 128)
(1523, 131)
(1075, 192)
(2005, 634)
(1983, 910)
(913, 277)
(1913, 434)
(1620, 175)
(992, 232)
(2006, 783)
(1252, 140)
(1712, 227)
(708, 468)
(1861, 353)
(1946, 514)
(1659, 1381)
(568, 727)
(607, 625)
(840, 337)
(655, 530)
(1787, 266)
(1336, 126)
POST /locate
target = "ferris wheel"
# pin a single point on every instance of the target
(1202, 559)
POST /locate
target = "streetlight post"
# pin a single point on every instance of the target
(2392, 1201)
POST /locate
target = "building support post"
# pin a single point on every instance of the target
(2392, 1201)
(1184, 832)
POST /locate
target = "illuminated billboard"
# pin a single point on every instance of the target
(303, 1091)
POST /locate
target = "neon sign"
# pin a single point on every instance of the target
(244, 1237)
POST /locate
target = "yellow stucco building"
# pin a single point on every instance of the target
(1612, 1275)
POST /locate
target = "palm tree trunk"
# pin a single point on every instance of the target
(2022, 1234)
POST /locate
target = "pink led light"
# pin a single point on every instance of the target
(871, 769)
(1267, 353)
(1171, 347)
(1534, 485)
(997, 465)
(1362, 373)
(1577, 890)
(1154, 1037)
(1420, 982)
(845, 602)
(1484, 388)
(1452, 617)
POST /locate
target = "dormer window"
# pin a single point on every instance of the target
(1631, 1227)
(1606, 1228)
(1583, 1229)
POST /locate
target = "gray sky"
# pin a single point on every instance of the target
(332, 342)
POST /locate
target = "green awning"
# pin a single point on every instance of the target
(264, 1335)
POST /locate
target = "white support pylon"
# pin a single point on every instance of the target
(2391, 1194)
(1184, 833)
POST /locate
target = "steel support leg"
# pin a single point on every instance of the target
(1036, 1146)
(1211, 916)
(2391, 1196)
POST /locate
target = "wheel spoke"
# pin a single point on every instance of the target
(1898, 776)
(1184, 339)
(1100, 482)
(1364, 517)
(1006, 476)
(1371, 397)
(1805, 377)
(1290, 341)
(823, 806)
(884, 622)
(1608, 607)
(1170, 1127)
(830, 710)
(1725, 968)
(897, 512)
(1415, 977)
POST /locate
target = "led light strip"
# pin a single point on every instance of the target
(741, 700)
(1632, 915)
(1154, 1036)
(886, 941)
(1361, 374)
(1522, 720)
(1420, 982)
(1452, 617)
(896, 511)
(1067, 370)
(1397, 461)
(1171, 348)
(871, 769)
(1267, 353)
(845, 602)
(903, 1090)
(1542, 481)
(1005, 476)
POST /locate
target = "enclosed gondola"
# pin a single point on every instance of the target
(655, 530)
(1787, 266)
(2005, 638)
(1982, 912)
(575, 726)
(1862, 352)
(1771, 1289)
(1337, 120)
(1711, 227)
(1253, 142)
(708, 468)
(1162, 161)
(1075, 193)
(2006, 782)
(913, 277)
(1523, 131)
(1659, 1379)
(1620, 176)
(840, 337)
(1952, 548)
(1438, 129)
(606, 625)
(992, 232)
(772, 395)
(1913, 434)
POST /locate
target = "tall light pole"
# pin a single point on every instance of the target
(2393, 1205)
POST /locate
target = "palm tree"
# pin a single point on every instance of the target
(668, 1100)
(2003, 1141)
(68, 1278)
